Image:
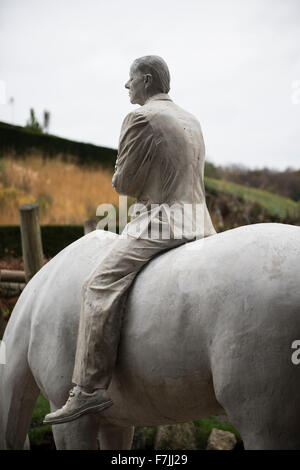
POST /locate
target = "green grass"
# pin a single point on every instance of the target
(204, 427)
(40, 436)
(273, 203)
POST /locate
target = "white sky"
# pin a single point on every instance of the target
(233, 64)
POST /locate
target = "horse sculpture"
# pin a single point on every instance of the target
(205, 331)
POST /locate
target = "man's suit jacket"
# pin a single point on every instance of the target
(161, 161)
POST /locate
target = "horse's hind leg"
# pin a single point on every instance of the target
(113, 437)
(263, 406)
(80, 434)
(18, 395)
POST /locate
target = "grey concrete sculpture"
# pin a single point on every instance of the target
(204, 332)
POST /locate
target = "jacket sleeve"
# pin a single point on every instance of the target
(136, 152)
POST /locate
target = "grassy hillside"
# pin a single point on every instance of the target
(69, 193)
(48, 170)
(66, 192)
(273, 203)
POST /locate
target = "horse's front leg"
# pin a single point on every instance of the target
(114, 437)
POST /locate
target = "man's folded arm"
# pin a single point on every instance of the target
(135, 155)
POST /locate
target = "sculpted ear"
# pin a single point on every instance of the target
(148, 80)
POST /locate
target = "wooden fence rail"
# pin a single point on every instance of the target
(9, 275)
(12, 282)
(11, 289)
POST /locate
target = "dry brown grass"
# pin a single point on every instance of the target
(66, 193)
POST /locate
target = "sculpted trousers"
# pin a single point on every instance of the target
(103, 299)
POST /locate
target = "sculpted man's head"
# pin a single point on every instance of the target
(149, 75)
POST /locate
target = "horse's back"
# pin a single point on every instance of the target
(179, 307)
(211, 293)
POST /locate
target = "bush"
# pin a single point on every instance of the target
(23, 141)
(54, 238)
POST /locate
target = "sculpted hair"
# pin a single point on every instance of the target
(157, 67)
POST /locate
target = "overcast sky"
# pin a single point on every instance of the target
(235, 64)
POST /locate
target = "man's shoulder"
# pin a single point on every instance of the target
(162, 113)
(153, 109)
(137, 116)
(158, 114)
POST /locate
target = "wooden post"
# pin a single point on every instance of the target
(31, 240)
(2, 325)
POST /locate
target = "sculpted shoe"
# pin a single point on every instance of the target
(80, 402)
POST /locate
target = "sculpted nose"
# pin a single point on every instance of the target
(127, 84)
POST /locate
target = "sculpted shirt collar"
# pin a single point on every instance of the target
(159, 96)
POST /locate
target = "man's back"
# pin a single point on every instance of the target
(178, 166)
(161, 161)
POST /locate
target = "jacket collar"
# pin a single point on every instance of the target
(158, 96)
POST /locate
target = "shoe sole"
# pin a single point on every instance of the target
(91, 409)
